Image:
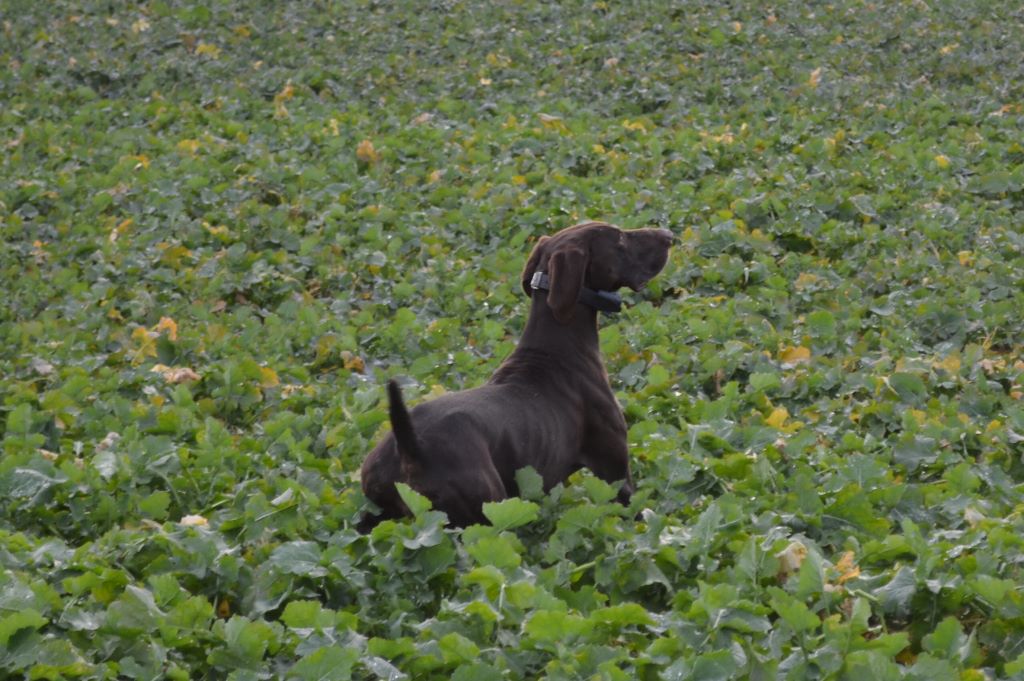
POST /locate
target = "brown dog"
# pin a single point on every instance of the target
(549, 405)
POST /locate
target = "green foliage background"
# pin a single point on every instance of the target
(296, 201)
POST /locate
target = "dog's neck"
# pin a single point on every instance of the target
(544, 332)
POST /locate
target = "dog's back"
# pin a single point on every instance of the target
(548, 406)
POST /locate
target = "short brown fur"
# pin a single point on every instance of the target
(549, 405)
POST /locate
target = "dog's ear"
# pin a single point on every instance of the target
(566, 269)
(531, 265)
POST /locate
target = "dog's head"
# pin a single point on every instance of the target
(598, 256)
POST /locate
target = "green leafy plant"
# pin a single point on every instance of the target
(226, 226)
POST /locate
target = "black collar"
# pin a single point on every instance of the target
(605, 301)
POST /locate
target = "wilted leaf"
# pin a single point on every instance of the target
(794, 355)
(366, 152)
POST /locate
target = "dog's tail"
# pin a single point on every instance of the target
(401, 424)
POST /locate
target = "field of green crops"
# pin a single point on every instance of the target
(226, 224)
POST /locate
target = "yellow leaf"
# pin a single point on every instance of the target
(794, 355)
(39, 250)
(169, 325)
(176, 375)
(268, 377)
(223, 609)
(366, 153)
(188, 146)
(634, 125)
(814, 78)
(947, 49)
(486, 81)
(942, 161)
(220, 231)
(846, 568)
(140, 26)
(778, 417)
(208, 50)
(806, 279)
(121, 228)
(242, 30)
(286, 93)
(966, 258)
(352, 362)
(949, 364)
(553, 123)
(737, 27)
(146, 340)
(280, 98)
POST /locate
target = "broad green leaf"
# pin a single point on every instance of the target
(510, 513)
(307, 615)
(625, 614)
(792, 611)
(531, 485)
(810, 581)
(25, 619)
(871, 664)
(29, 483)
(330, 663)
(764, 382)
(717, 666)
(993, 590)
(192, 613)
(863, 204)
(498, 551)
(704, 531)
(554, 626)
(245, 644)
(134, 612)
(822, 323)
(477, 671)
(1016, 666)
(156, 505)
(456, 648)
(909, 387)
(895, 596)
(414, 501)
(930, 668)
(298, 558)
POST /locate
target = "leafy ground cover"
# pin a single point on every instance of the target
(225, 225)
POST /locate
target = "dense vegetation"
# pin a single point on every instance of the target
(226, 224)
